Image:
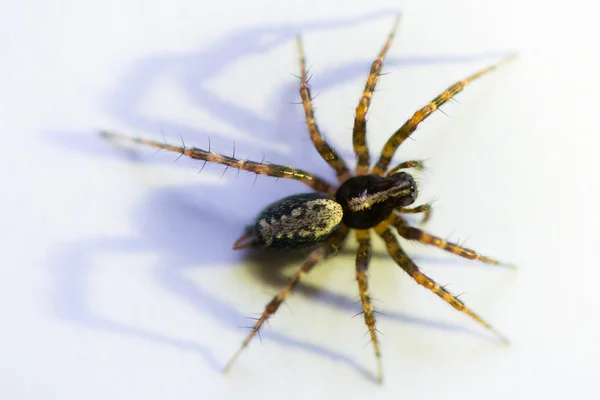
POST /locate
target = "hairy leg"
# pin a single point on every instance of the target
(325, 150)
(319, 254)
(359, 133)
(412, 233)
(418, 165)
(279, 171)
(402, 259)
(389, 149)
(423, 208)
(363, 255)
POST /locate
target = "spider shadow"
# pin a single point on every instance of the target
(273, 268)
(171, 224)
(181, 211)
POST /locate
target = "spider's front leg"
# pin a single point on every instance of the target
(412, 233)
(390, 147)
(423, 208)
(359, 131)
(330, 246)
(418, 165)
(402, 259)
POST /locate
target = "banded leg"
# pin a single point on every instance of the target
(402, 259)
(359, 133)
(423, 208)
(330, 246)
(407, 164)
(363, 255)
(389, 149)
(412, 233)
(325, 150)
(279, 171)
(418, 165)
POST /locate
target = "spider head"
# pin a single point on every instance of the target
(368, 200)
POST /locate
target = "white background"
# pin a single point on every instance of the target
(117, 278)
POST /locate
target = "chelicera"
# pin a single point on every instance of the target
(372, 200)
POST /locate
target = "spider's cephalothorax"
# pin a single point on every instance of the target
(368, 200)
(373, 200)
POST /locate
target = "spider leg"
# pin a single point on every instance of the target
(423, 208)
(412, 233)
(325, 150)
(359, 133)
(363, 255)
(419, 165)
(319, 254)
(389, 149)
(259, 168)
(402, 259)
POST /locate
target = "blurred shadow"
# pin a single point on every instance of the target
(195, 226)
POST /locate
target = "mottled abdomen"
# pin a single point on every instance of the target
(297, 221)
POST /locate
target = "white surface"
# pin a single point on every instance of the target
(117, 279)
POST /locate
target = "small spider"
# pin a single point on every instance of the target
(373, 198)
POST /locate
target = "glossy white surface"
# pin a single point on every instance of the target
(116, 274)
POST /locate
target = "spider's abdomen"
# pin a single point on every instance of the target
(368, 200)
(297, 221)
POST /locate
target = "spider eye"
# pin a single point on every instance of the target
(405, 191)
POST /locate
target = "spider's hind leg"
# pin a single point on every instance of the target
(319, 254)
(280, 171)
(363, 256)
(325, 150)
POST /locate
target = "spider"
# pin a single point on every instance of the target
(372, 200)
